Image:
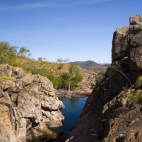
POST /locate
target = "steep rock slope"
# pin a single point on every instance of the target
(113, 112)
(29, 108)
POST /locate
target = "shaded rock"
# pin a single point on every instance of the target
(119, 43)
(113, 110)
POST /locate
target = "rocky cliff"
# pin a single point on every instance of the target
(113, 112)
(29, 109)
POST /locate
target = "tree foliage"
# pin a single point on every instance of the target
(24, 52)
(20, 57)
(7, 52)
(73, 70)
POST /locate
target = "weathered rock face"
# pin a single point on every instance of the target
(127, 45)
(135, 20)
(109, 114)
(88, 81)
(29, 109)
(120, 43)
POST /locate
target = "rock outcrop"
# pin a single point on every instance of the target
(113, 112)
(29, 109)
(88, 81)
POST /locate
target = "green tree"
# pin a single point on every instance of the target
(75, 80)
(59, 60)
(7, 52)
(24, 52)
(73, 70)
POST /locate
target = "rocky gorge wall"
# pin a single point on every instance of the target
(113, 111)
(29, 109)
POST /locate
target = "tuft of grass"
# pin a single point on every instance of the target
(134, 97)
(140, 19)
(138, 82)
(15, 64)
(99, 77)
(7, 78)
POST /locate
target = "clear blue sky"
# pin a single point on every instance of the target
(76, 29)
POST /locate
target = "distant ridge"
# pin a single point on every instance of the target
(90, 65)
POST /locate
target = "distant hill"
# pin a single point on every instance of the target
(90, 65)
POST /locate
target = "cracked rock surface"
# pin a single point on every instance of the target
(29, 109)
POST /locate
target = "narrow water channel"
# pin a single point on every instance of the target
(72, 111)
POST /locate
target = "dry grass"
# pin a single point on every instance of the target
(51, 67)
(138, 82)
(134, 97)
(140, 19)
(7, 78)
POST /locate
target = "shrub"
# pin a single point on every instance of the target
(99, 77)
(73, 69)
(15, 64)
(134, 97)
(7, 52)
(74, 81)
(54, 80)
(138, 82)
(42, 71)
(60, 66)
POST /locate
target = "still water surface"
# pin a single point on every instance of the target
(72, 111)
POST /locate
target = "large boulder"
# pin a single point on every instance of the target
(29, 108)
(135, 47)
(127, 44)
(135, 20)
(119, 43)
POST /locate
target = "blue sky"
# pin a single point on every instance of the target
(76, 29)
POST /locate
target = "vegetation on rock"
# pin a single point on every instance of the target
(7, 78)
(99, 77)
(60, 74)
(135, 97)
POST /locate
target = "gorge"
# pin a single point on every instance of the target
(72, 111)
(30, 111)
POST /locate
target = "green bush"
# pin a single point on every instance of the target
(42, 71)
(54, 80)
(7, 52)
(15, 64)
(63, 81)
(73, 69)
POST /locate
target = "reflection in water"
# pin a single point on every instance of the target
(72, 111)
(74, 102)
